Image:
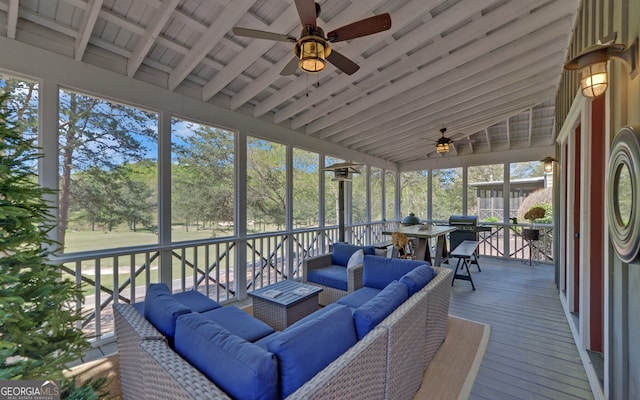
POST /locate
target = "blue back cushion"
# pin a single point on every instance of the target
(341, 252)
(239, 323)
(378, 272)
(359, 297)
(307, 347)
(162, 309)
(417, 278)
(371, 313)
(196, 301)
(242, 369)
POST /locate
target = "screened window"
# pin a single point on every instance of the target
(376, 193)
(527, 190)
(447, 193)
(485, 196)
(202, 181)
(266, 186)
(306, 189)
(390, 195)
(414, 191)
(331, 203)
(108, 174)
(359, 196)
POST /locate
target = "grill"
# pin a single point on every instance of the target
(467, 229)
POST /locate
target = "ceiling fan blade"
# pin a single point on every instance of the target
(463, 141)
(307, 12)
(342, 63)
(290, 68)
(254, 33)
(361, 28)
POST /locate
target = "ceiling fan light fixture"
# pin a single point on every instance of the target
(442, 147)
(312, 55)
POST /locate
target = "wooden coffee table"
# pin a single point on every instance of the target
(285, 302)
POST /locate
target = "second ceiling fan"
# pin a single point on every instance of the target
(312, 48)
(443, 144)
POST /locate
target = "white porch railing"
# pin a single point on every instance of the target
(209, 266)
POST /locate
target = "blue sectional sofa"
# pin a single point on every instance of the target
(374, 343)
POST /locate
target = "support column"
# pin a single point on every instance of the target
(48, 142)
(164, 198)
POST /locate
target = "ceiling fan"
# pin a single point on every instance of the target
(312, 48)
(444, 143)
(343, 171)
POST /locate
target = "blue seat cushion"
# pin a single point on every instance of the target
(334, 276)
(242, 369)
(239, 323)
(359, 297)
(370, 314)
(342, 252)
(417, 278)
(304, 349)
(378, 272)
(139, 307)
(162, 310)
(196, 301)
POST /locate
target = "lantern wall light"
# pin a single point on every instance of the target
(548, 163)
(592, 65)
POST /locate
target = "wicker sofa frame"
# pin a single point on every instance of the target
(387, 363)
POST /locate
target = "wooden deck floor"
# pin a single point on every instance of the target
(531, 353)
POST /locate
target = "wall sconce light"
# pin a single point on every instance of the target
(548, 163)
(592, 65)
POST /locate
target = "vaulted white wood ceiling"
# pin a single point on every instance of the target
(487, 70)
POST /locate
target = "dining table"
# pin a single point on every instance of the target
(423, 234)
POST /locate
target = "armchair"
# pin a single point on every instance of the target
(338, 273)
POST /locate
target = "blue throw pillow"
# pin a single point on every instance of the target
(417, 278)
(341, 252)
(371, 313)
(242, 369)
(378, 272)
(306, 348)
(162, 310)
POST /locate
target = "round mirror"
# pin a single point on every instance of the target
(623, 197)
(622, 194)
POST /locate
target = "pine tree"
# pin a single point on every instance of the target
(38, 318)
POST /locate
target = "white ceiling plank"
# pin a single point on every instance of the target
(540, 18)
(263, 81)
(421, 97)
(466, 109)
(208, 40)
(500, 63)
(346, 16)
(155, 26)
(12, 18)
(455, 60)
(456, 105)
(86, 28)
(453, 16)
(402, 17)
(284, 23)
